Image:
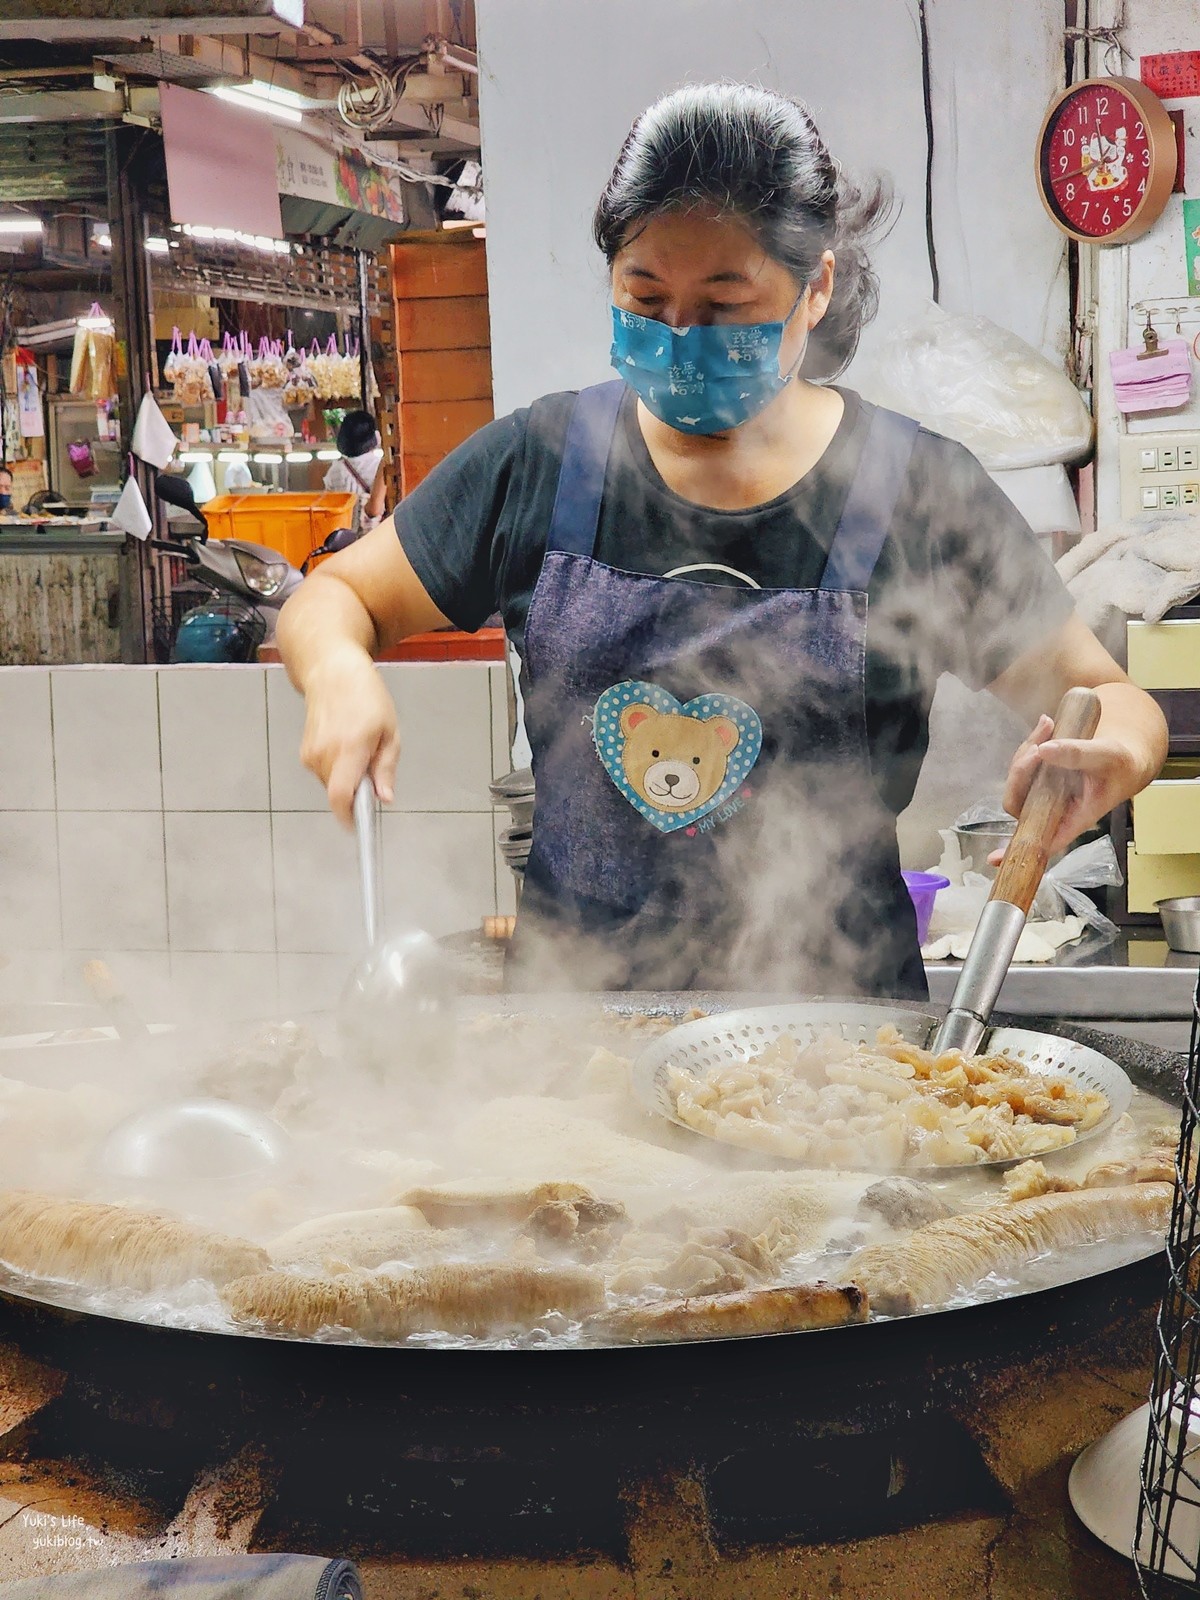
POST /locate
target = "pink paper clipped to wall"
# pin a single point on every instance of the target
(221, 163)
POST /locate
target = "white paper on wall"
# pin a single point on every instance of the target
(29, 403)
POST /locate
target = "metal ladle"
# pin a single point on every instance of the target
(399, 1002)
(196, 1143)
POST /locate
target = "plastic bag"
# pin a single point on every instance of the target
(267, 371)
(228, 357)
(1088, 866)
(187, 370)
(174, 362)
(79, 453)
(349, 374)
(93, 363)
(973, 381)
(301, 385)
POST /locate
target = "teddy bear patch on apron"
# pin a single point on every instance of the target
(675, 764)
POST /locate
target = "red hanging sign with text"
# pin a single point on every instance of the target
(1174, 75)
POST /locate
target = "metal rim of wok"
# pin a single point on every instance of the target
(1150, 1067)
(741, 1033)
(908, 1364)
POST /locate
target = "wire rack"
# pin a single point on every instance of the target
(1167, 1542)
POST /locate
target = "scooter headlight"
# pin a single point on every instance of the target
(263, 577)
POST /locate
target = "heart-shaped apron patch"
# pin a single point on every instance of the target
(675, 763)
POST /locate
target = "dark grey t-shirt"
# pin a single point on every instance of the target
(961, 586)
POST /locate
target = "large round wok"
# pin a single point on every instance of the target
(57, 1313)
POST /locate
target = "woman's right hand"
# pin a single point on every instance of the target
(350, 728)
(353, 606)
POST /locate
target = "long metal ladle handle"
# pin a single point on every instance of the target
(368, 857)
(995, 939)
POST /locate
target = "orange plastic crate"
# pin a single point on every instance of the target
(293, 524)
(448, 645)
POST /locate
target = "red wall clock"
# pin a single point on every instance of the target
(1106, 160)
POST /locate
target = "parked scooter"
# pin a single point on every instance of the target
(249, 582)
(337, 540)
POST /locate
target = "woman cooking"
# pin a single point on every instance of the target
(732, 585)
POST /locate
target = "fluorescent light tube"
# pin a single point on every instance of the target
(242, 96)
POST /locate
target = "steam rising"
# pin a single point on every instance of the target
(790, 888)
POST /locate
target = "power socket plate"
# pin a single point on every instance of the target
(1159, 472)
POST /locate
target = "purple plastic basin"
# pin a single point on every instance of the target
(922, 890)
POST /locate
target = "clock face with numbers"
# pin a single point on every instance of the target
(1106, 160)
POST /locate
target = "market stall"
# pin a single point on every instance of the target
(253, 349)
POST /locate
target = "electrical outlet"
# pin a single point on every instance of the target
(1159, 472)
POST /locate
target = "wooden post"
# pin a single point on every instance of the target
(132, 320)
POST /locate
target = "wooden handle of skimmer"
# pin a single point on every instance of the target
(1050, 794)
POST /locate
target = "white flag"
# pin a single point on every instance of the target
(130, 514)
(152, 439)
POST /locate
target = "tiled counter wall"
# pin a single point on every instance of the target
(159, 818)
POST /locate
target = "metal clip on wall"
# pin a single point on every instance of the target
(1150, 340)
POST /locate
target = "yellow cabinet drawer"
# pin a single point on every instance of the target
(1166, 818)
(1164, 655)
(1153, 878)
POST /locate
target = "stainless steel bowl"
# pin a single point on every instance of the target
(1181, 922)
(977, 840)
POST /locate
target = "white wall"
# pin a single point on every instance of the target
(561, 81)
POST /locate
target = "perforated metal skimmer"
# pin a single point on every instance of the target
(696, 1047)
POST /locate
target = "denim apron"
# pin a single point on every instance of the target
(706, 811)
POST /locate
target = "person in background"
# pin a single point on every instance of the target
(6, 487)
(360, 470)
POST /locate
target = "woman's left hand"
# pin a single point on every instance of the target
(1129, 746)
(1105, 772)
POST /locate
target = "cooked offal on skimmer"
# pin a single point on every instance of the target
(890, 1104)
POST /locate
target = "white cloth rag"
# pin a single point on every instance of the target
(1133, 570)
(1039, 942)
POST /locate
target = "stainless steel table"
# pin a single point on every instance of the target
(1133, 986)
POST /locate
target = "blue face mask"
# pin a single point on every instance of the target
(5, 501)
(701, 380)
